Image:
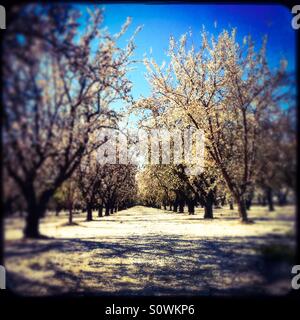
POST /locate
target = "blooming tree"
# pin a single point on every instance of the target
(225, 89)
(60, 78)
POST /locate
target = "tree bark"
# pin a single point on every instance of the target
(89, 216)
(248, 204)
(100, 211)
(70, 214)
(231, 205)
(181, 207)
(175, 207)
(208, 210)
(270, 198)
(191, 207)
(208, 206)
(107, 210)
(242, 209)
(32, 221)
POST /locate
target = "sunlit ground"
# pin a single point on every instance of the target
(146, 251)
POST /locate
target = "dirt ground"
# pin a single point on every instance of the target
(146, 251)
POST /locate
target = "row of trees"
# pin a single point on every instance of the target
(60, 77)
(106, 188)
(244, 108)
(169, 186)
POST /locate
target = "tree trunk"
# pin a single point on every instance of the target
(181, 207)
(191, 207)
(242, 209)
(175, 207)
(107, 210)
(111, 210)
(170, 208)
(70, 214)
(282, 198)
(208, 210)
(100, 211)
(89, 216)
(231, 205)
(32, 222)
(270, 198)
(248, 204)
(208, 206)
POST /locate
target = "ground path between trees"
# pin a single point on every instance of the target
(146, 251)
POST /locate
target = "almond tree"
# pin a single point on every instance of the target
(277, 162)
(147, 187)
(117, 189)
(174, 184)
(68, 196)
(225, 89)
(89, 176)
(60, 78)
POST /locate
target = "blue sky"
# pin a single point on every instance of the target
(161, 21)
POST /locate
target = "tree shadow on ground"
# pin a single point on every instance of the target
(148, 265)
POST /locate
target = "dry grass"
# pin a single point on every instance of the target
(149, 251)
